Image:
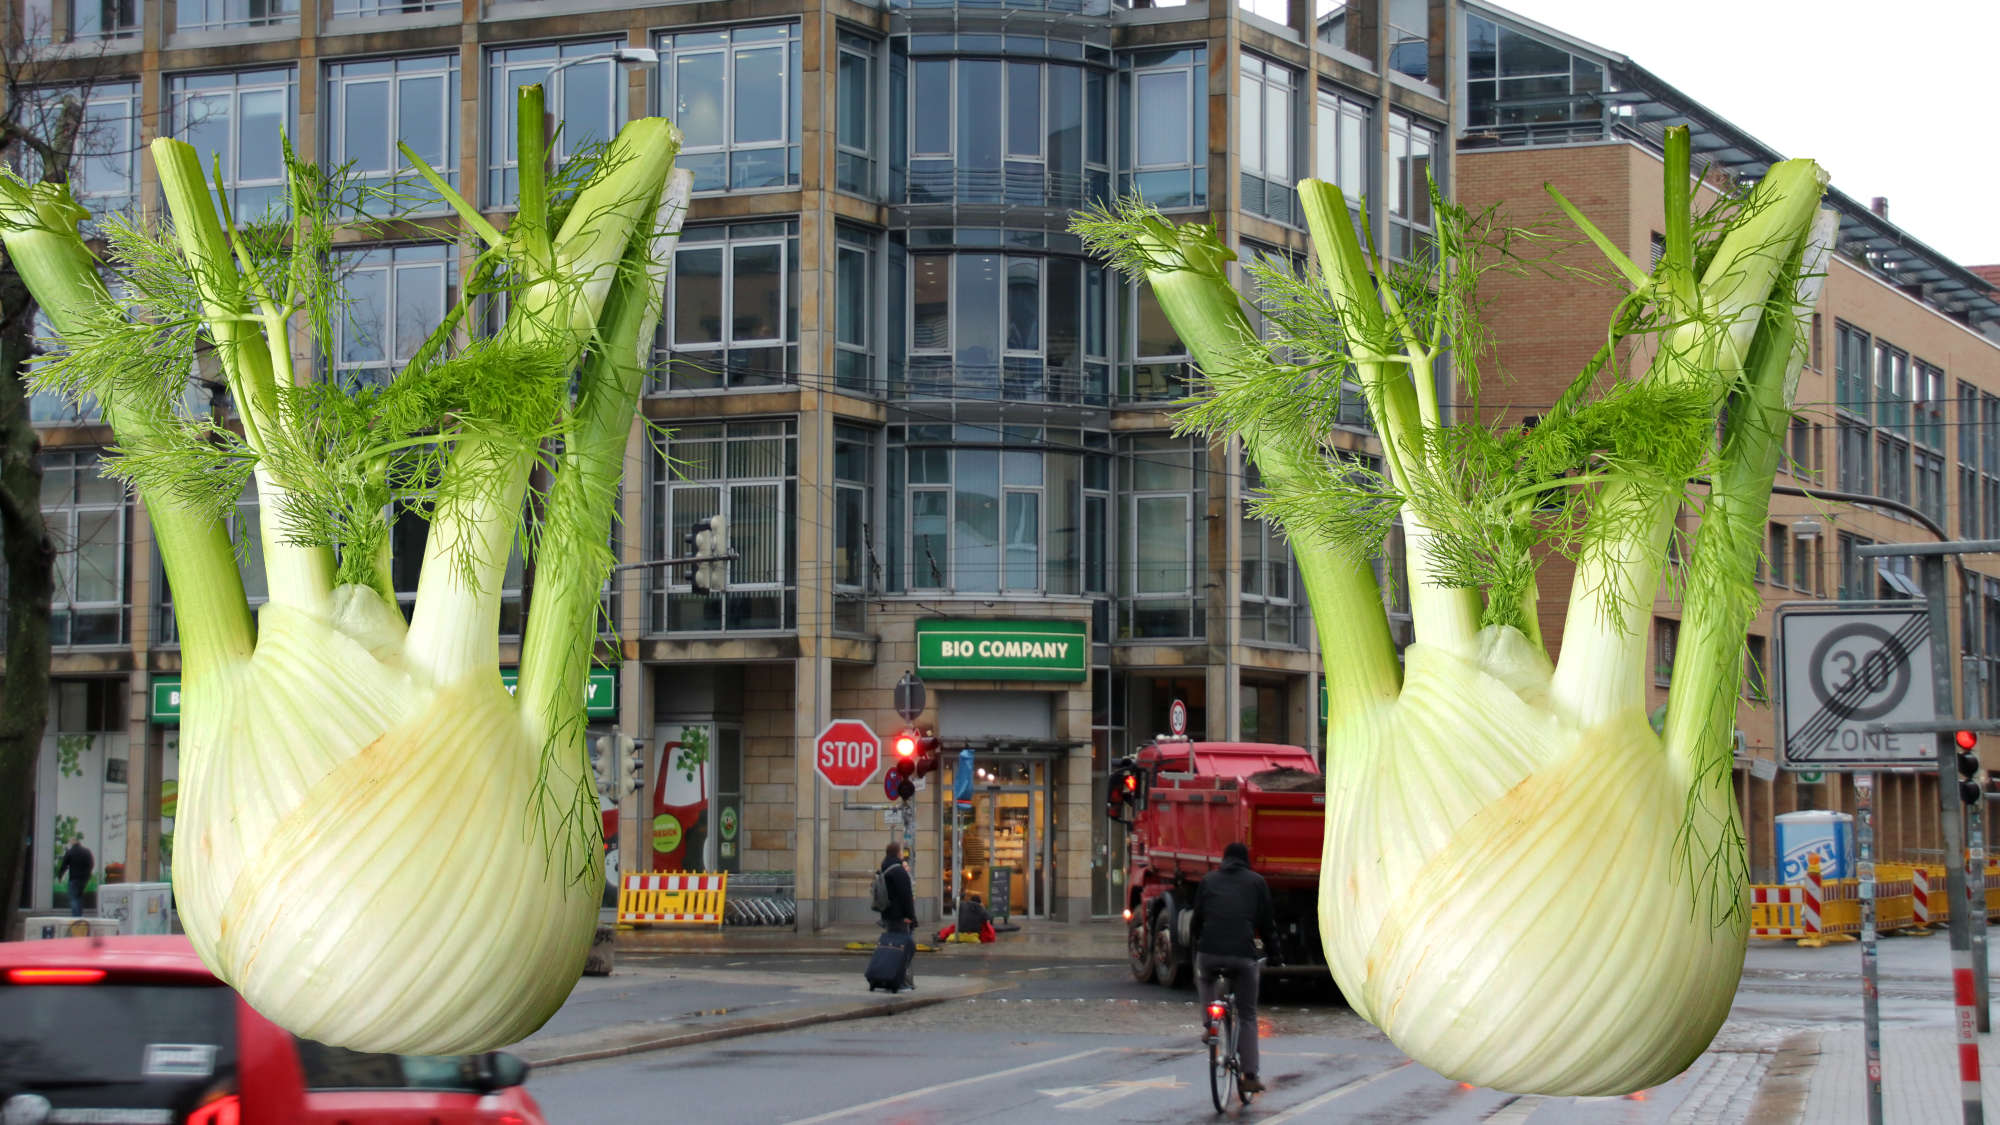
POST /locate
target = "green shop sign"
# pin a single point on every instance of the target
(600, 693)
(600, 698)
(167, 700)
(1002, 650)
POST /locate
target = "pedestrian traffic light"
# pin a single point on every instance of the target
(1968, 767)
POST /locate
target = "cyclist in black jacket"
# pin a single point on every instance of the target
(1231, 907)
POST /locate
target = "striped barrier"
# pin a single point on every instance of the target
(1820, 911)
(1777, 912)
(672, 898)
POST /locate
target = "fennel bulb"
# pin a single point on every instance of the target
(379, 847)
(1522, 884)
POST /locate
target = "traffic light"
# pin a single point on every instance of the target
(927, 753)
(905, 747)
(707, 542)
(1968, 767)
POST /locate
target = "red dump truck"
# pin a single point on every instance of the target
(1181, 803)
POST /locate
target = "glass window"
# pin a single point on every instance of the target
(1342, 136)
(736, 97)
(1162, 553)
(1162, 130)
(854, 164)
(395, 297)
(84, 20)
(238, 118)
(218, 15)
(1266, 128)
(854, 310)
(586, 102)
(1166, 152)
(1409, 37)
(368, 9)
(372, 106)
(1155, 362)
(104, 162)
(1411, 143)
(733, 320)
(1852, 349)
(932, 108)
(746, 472)
(85, 512)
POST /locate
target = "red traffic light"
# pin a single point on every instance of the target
(906, 745)
(1967, 740)
(1131, 783)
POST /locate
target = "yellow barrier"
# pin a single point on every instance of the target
(1909, 898)
(672, 898)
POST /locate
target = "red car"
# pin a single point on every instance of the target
(136, 1029)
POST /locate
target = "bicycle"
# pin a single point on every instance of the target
(1225, 1067)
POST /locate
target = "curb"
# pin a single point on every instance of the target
(653, 1041)
(841, 946)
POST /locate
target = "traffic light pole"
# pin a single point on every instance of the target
(1871, 1001)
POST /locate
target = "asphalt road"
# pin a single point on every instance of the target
(1072, 1039)
(1048, 1043)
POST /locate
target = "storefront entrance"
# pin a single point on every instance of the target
(1001, 846)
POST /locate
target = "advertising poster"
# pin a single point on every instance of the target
(680, 830)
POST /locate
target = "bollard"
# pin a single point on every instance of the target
(1810, 912)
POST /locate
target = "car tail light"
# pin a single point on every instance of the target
(1215, 1011)
(225, 1110)
(54, 976)
(512, 1119)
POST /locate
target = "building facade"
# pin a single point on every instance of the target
(928, 419)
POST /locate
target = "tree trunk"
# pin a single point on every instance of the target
(30, 576)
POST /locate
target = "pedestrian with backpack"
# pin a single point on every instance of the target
(894, 897)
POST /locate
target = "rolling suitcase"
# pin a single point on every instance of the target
(889, 965)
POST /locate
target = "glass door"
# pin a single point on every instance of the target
(999, 844)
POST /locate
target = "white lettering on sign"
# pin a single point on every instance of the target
(1005, 650)
(847, 755)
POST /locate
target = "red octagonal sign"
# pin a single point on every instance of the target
(847, 753)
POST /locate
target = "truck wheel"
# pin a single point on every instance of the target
(1139, 952)
(1165, 971)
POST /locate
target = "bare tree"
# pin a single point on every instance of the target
(44, 133)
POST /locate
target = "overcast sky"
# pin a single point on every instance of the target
(1894, 99)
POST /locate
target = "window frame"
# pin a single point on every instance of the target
(336, 85)
(500, 63)
(730, 237)
(789, 143)
(179, 94)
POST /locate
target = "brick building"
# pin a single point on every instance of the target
(922, 411)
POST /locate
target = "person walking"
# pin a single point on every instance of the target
(79, 863)
(900, 915)
(1231, 908)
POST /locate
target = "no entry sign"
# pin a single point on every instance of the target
(847, 753)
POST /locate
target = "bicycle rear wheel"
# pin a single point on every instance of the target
(1222, 1062)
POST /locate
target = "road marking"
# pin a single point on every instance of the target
(943, 1086)
(1516, 1111)
(1340, 1091)
(1104, 1093)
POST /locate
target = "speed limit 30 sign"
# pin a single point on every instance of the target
(1842, 671)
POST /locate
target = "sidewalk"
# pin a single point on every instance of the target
(1919, 1038)
(1037, 939)
(650, 1008)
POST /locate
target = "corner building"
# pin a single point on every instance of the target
(932, 424)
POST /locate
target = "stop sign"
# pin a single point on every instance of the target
(847, 753)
